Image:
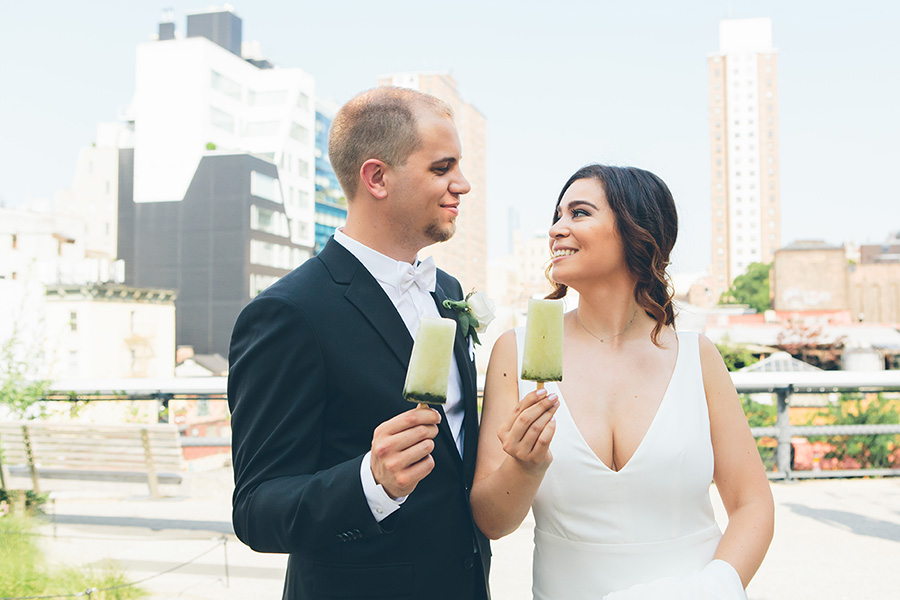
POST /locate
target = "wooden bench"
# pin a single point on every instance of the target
(143, 453)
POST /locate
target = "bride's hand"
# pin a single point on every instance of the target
(526, 434)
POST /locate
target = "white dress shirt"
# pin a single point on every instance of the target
(411, 305)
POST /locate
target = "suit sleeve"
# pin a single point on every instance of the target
(277, 394)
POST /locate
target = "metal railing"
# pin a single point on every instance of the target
(787, 384)
(784, 385)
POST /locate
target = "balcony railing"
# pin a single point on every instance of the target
(788, 384)
(784, 386)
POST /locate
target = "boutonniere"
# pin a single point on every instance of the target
(474, 313)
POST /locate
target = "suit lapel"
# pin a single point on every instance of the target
(467, 378)
(365, 293)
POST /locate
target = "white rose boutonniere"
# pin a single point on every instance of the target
(474, 313)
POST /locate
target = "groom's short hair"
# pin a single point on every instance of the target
(379, 123)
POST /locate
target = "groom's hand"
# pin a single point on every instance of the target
(401, 450)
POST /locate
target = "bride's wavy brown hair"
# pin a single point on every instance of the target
(648, 224)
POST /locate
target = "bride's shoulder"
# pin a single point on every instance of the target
(506, 347)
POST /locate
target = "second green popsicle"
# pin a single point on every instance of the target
(542, 358)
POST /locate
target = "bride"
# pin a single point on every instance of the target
(616, 460)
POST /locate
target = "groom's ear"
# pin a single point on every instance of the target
(373, 173)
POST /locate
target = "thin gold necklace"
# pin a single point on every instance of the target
(612, 337)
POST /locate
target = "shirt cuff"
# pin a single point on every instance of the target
(379, 502)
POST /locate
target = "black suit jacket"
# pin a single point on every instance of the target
(317, 362)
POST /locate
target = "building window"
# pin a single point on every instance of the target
(300, 133)
(270, 98)
(226, 85)
(303, 101)
(261, 129)
(73, 361)
(221, 119)
(73, 321)
(269, 254)
(260, 282)
(15, 241)
(265, 187)
(132, 320)
(269, 221)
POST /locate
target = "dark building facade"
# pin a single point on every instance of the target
(226, 241)
(222, 27)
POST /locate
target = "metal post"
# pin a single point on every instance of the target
(783, 425)
(152, 479)
(225, 549)
(2, 467)
(29, 457)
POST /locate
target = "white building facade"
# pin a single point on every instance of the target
(194, 97)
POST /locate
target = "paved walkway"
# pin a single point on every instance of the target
(836, 539)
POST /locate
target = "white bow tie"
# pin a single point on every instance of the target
(424, 275)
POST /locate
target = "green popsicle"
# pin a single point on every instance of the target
(542, 359)
(428, 375)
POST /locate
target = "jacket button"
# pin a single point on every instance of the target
(468, 563)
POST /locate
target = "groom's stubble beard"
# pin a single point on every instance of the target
(437, 232)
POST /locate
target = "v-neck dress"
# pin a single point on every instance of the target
(599, 531)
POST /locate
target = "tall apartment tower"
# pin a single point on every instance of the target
(465, 255)
(743, 116)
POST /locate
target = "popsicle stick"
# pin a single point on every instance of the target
(422, 405)
(540, 385)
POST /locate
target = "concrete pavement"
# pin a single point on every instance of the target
(835, 539)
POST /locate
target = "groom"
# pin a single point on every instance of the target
(369, 496)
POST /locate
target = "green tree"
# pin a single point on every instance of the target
(750, 288)
(736, 357)
(21, 362)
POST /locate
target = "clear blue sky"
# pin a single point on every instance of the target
(561, 83)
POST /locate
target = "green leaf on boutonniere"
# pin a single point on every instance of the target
(467, 321)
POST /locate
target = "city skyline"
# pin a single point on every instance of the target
(581, 83)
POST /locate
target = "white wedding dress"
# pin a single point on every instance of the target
(645, 531)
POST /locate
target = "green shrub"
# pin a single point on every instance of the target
(870, 451)
(761, 415)
(34, 502)
(25, 571)
(736, 357)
